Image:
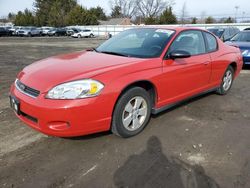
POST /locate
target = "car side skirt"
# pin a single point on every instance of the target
(170, 106)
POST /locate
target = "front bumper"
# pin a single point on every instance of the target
(23, 34)
(75, 36)
(51, 34)
(64, 118)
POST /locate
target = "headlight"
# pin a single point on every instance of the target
(246, 53)
(76, 90)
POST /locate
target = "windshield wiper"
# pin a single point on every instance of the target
(114, 53)
(91, 50)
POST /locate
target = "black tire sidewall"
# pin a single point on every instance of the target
(117, 125)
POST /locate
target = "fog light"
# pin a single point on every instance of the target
(58, 125)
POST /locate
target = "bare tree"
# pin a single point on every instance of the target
(203, 17)
(183, 13)
(128, 7)
(152, 8)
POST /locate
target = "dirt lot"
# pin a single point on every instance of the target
(204, 143)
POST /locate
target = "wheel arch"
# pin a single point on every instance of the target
(234, 65)
(145, 84)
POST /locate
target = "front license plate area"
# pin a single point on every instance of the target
(15, 104)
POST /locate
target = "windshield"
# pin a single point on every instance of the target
(142, 43)
(217, 32)
(242, 37)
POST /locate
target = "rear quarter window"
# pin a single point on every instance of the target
(211, 42)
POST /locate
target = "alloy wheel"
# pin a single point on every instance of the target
(227, 80)
(134, 113)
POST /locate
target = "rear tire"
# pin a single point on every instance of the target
(132, 113)
(79, 36)
(227, 81)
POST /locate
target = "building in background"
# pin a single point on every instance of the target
(116, 21)
(6, 24)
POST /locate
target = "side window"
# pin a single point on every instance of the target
(226, 34)
(236, 30)
(211, 42)
(232, 31)
(191, 41)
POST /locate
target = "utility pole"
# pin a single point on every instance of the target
(236, 11)
(243, 16)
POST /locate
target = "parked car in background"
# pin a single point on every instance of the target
(39, 30)
(17, 28)
(9, 31)
(247, 29)
(83, 33)
(242, 40)
(224, 33)
(57, 32)
(45, 30)
(71, 31)
(12, 31)
(29, 31)
(3, 31)
(118, 85)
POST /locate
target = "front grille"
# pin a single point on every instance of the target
(26, 89)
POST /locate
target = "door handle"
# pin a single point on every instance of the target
(206, 63)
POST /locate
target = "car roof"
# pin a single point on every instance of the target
(176, 28)
(245, 31)
(223, 27)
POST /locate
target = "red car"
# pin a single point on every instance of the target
(117, 86)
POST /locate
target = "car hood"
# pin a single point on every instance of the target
(47, 73)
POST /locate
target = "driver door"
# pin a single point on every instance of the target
(185, 77)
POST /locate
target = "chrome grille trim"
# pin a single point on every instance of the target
(26, 90)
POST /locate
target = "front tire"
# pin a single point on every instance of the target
(132, 113)
(227, 81)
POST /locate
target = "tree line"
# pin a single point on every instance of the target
(60, 13)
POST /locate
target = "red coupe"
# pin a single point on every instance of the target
(118, 85)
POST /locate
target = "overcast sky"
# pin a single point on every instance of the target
(216, 8)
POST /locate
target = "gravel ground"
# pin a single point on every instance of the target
(203, 143)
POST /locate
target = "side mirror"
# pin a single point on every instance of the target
(179, 54)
